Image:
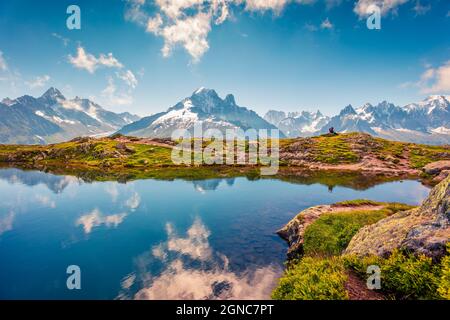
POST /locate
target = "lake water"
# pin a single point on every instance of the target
(152, 239)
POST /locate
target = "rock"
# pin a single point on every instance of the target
(424, 230)
(435, 168)
(123, 147)
(293, 232)
(442, 175)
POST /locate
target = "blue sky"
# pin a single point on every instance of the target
(144, 56)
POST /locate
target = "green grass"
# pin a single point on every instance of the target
(405, 276)
(444, 281)
(330, 234)
(358, 202)
(333, 150)
(313, 279)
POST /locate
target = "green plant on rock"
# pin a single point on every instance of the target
(403, 276)
(444, 281)
(313, 279)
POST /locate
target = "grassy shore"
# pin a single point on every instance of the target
(120, 157)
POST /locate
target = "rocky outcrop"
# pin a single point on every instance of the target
(293, 232)
(424, 230)
(439, 169)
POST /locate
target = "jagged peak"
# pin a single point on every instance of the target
(53, 93)
(230, 99)
(347, 110)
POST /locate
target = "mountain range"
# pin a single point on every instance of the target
(203, 107)
(425, 122)
(53, 118)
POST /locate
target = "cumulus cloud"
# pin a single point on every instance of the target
(95, 218)
(3, 65)
(436, 80)
(193, 270)
(187, 23)
(90, 63)
(38, 82)
(363, 8)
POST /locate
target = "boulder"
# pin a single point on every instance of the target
(423, 230)
(435, 168)
(293, 232)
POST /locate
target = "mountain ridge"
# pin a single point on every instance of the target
(53, 118)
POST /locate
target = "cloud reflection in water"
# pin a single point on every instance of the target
(190, 269)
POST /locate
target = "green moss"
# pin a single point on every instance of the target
(403, 276)
(444, 281)
(331, 233)
(313, 279)
(358, 202)
(333, 150)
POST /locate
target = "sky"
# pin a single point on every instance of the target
(143, 56)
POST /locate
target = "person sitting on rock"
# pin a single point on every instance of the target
(331, 131)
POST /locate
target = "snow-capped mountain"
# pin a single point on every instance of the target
(425, 122)
(297, 124)
(53, 118)
(203, 107)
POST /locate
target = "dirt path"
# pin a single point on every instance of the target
(357, 289)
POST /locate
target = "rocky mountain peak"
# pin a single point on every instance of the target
(53, 93)
(347, 110)
(229, 99)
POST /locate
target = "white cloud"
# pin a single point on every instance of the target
(264, 5)
(114, 97)
(3, 65)
(363, 7)
(134, 202)
(326, 24)
(187, 23)
(38, 82)
(95, 218)
(45, 201)
(6, 222)
(436, 80)
(181, 279)
(191, 33)
(89, 62)
(129, 78)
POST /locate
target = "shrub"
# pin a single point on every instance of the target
(444, 281)
(405, 276)
(313, 279)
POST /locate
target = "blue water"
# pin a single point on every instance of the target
(152, 239)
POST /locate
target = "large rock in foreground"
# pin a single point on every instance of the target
(424, 230)
(293, 232)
